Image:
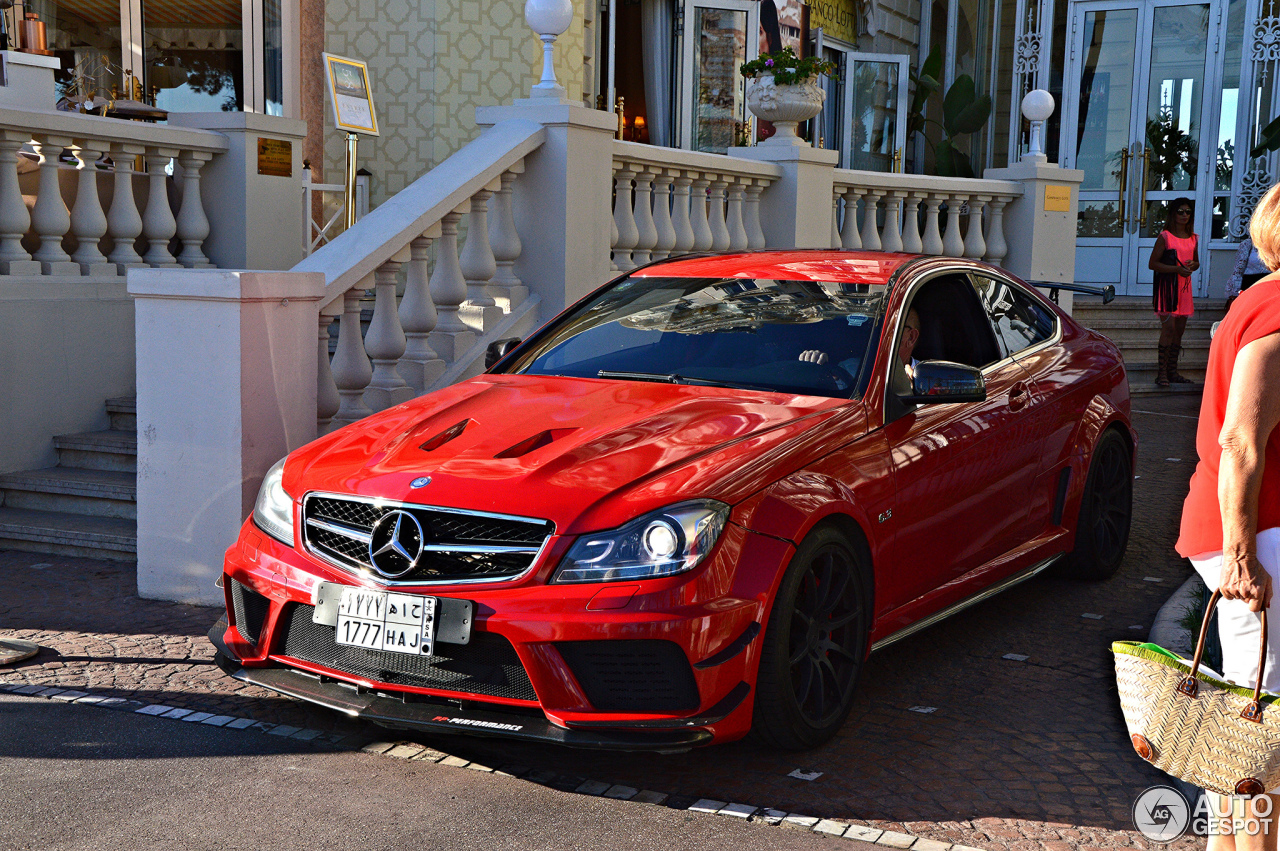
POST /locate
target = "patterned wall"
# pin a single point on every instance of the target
(431, 63)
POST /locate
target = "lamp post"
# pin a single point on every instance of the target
(1037, 106)
(548, 18)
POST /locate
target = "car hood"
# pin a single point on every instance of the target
(586, 454)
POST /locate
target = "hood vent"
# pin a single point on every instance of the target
(445, 436)
(538, 441)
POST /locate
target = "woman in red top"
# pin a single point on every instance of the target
(1173, 302)
(1231, 517)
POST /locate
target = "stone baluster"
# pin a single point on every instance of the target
(932, 236)
(158, 223)
(193, 224)
(477, 261)
(849, 236)
(997, 249)
(613, 263)
(420, 366)
(952, 244)
(715, 204)
(662, 224)
(327, 399)
(124, 224)
(50, 218)
(835, 218)
(870, 225)
(734, 222)
(451, 338)
(646, 232)
(702, 236)
(911, 223)
(891, 237)
(88, 221)
(385, 342)
(680, 215)
(14, 217)
(624, 219)
(507, 289)
(351, 368)
(751, 209)
(974, 245)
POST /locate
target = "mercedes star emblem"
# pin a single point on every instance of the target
(420, 482)
(396, 543)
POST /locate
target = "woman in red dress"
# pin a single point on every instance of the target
(1173, 259)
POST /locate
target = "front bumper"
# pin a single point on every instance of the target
(429, 716)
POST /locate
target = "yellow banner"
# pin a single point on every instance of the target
(838, 19)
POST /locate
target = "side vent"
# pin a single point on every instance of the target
(445, 436)
(538, 441)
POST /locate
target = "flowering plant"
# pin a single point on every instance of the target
(786, 67)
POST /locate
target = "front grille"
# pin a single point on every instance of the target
(250, 611)
(487, 665)
(460, 546)
(643, 675)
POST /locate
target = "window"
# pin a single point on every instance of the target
(1019, 319)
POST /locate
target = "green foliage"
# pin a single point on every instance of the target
(787, 68)
(964, 111)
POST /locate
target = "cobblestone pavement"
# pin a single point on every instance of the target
(1008, 753)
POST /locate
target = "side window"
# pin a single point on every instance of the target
(1019, 320)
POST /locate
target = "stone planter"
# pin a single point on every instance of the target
(784, 106)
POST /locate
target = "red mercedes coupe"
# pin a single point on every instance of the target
(689, 506)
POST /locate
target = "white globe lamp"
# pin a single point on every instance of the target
(1037, 107)
(548, 18)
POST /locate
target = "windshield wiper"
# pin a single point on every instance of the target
(676, 378)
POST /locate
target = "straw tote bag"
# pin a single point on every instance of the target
(1194, 726)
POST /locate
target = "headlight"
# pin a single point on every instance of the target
(273, 512)
(663, 543)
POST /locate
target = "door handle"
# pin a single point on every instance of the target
(1018, 396)
(1142, 191)
(1124, 188)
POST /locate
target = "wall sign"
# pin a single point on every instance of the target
(350, 95)
(838, 19)
(275, 157)
(1057, 199)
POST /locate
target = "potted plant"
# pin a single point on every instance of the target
(783, 89)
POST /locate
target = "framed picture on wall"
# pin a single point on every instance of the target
(350, 95)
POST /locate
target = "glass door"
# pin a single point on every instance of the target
(719, 35)
(1134, 129)
(876, 102)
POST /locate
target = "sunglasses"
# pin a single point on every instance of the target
(1183, 212)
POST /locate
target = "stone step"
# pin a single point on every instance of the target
(111, 449)
(101, 493)
(123, 412)
(59, 533)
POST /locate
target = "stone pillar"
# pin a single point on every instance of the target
(795, 209)
(221, 364)
(562, 203)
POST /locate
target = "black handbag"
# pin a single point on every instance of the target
(1164, 290)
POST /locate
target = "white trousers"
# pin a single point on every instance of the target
(1241, 629)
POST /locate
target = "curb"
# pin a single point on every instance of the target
(835, 828)
(1167, 629)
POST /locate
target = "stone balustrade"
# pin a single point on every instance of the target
(669, 202)
(906, 212)
(102, 189)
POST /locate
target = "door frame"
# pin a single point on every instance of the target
(900, 130)
(1134, 276)
(687, 19)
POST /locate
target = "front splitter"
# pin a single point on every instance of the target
(432, 717)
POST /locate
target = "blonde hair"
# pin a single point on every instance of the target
(1264, 228)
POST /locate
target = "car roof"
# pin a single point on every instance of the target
(857, 267)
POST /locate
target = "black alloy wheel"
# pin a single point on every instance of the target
(815, 644)
(1106, 509)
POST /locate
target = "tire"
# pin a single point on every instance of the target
(815, 644)
(1106, 509)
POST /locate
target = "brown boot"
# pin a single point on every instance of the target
(1172, 372)
(1162, 366)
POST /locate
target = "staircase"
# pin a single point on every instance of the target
(88, 504)
(1131, 324)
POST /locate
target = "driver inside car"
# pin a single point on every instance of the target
(903, 377)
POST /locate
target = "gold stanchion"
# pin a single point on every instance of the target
(352, 138)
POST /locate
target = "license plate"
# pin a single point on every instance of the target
(385, 620)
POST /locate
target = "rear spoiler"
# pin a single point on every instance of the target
(1108, 292)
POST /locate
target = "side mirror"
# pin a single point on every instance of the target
(940, 381)
(498, 350)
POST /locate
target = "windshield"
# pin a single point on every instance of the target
(802, 337)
